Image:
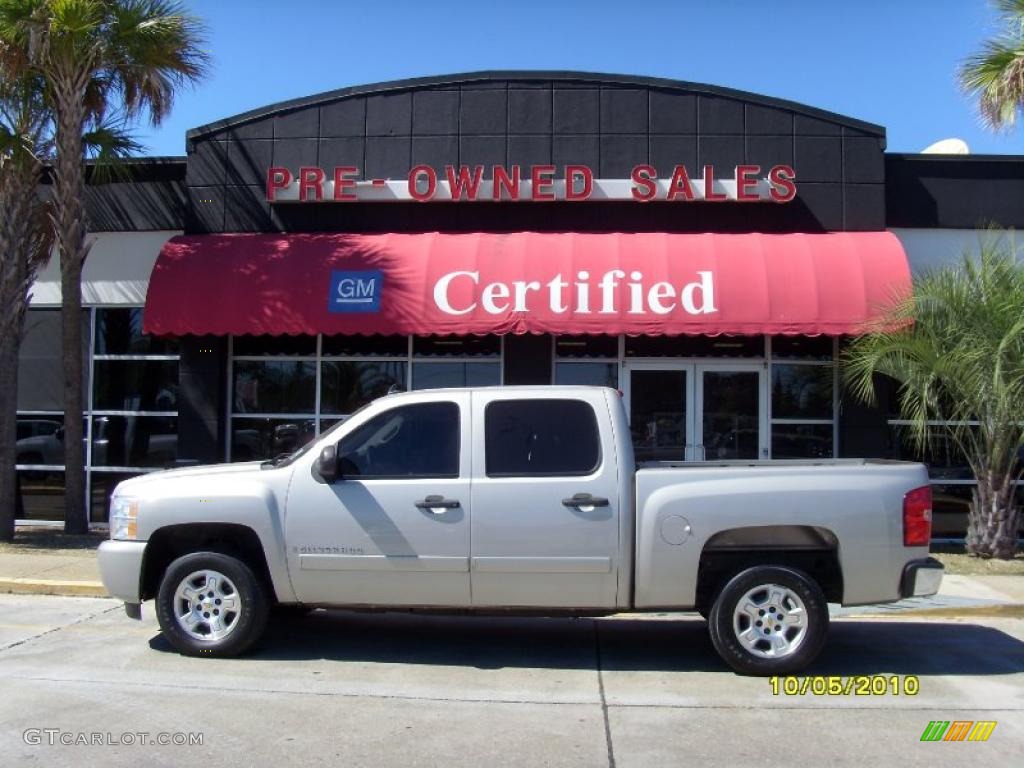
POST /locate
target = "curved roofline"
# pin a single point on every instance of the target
(461, 78)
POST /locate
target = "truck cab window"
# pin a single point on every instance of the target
(407, 442)
(541, 438)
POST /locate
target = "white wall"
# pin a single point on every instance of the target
(929, 249)
(116, 271)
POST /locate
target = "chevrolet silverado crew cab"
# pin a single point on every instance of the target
(518, 499)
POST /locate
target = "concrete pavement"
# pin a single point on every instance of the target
(389, 689)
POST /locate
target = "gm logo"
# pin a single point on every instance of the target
(355, 291)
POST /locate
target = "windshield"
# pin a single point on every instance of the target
(287, 458)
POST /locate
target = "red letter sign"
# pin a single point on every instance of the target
(414, 177)
(540, 182)
(277, 178)
(644, 187)
(311, 178)
(463, 183)
(783, 182)
(342, 182)
(572, 172)
(744, 182)
(501, 180)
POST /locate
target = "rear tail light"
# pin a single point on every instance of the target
(917, 517)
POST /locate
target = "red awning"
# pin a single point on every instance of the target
(528, 282)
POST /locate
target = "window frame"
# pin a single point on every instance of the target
(418, 477)
(599, 459)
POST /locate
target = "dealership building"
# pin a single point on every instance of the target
(708, 252)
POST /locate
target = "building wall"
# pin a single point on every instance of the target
(608, 123)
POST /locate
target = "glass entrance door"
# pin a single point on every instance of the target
(732, 413)
(696, 411)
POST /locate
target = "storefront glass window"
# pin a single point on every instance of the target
(346, 386)
(802, 441)
(265, 438)
(135, 385)
(435, 375)
(276, 386)
(802, 391)
(119, 332)
(591, 374)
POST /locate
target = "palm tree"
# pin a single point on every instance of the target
(956, 350)
(96, 57)
(995, 75)
(25, 245)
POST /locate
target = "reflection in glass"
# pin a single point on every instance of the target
(802, 391)
(657, 415)
(802, 347)
(731, 418)
(944, 459)
(119, 332)
(258, 346)
(134, 441)
(103, 484)
(258, 438)
(365, 346)
(456, 346)
(438, 375)
(39, 440)
(135, 385)
(347, 386)
(592, 374)
(40, 496)
(586, 346)
(801, 441)
(274, 386)
(40, 363)
(694, 346)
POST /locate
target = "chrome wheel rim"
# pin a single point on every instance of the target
(770, 621)
(207, 605)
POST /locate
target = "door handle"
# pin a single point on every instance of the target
(585, 500)
(432, 503)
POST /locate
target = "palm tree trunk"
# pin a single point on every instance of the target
(993, 520)
(69, 204)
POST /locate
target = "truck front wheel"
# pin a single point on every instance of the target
(769, 620)
(211, 604)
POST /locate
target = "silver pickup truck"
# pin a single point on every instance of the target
(518, 498)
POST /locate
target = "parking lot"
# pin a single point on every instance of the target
(387, 689)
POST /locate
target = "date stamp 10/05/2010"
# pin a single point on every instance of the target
(842, 685)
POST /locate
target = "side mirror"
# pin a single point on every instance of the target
(327, 464)
(59, 433)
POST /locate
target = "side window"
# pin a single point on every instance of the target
(541, 438)
(406, 442)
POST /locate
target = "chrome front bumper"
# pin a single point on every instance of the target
(121, 569)
(921, 578)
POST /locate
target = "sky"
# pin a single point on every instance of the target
(890, 62)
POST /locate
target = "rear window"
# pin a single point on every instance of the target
(541, 438)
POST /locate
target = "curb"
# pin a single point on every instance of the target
(53, 587)
(995, 611)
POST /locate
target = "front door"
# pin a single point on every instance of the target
(374, 536)
(696, 411)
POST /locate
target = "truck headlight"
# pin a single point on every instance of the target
(124, 513)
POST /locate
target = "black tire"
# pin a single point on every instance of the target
(243, 628)
(725, 627)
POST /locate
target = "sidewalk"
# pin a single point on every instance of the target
(76, 572)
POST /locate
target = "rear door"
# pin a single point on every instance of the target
(545, 522)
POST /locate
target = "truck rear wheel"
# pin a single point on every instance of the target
(769, 620)
(211, 604)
